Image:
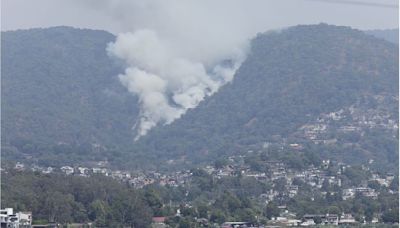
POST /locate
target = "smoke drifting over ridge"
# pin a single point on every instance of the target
(177, 52)
(167, 84)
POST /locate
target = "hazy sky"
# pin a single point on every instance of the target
(22, 14)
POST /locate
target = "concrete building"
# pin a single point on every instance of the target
(9, 219)
(67, 170)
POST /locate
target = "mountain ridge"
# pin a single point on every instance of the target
(96, 124)
(208, 125)
(60, 91)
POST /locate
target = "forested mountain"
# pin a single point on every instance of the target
(62, 101)
(290, 79)
(61, 95)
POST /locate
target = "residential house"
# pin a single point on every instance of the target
(18, 220)
(347, 219)
(67, 170)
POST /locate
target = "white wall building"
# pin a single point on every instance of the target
(18, 220)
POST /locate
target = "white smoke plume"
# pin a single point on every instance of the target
(177, 52)
(167, 84)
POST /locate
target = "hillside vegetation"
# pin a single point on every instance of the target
(62, 102)
(61, 97)
(289, 79)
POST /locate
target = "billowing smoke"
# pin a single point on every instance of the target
(177, 52)
(167, 84)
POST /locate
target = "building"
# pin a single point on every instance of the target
(328, 219)
(67, 170)
(159, 222)
(292, 190)
(347, 219)
(17, 220)
(19, 166)
(348, 193)
(236, 224)
(367, 192)
(83, 171)
(48, 170)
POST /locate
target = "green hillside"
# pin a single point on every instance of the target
(289, 79)
(61, 97)
(62, 102)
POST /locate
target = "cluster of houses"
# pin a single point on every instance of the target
(285, 219)
(330, 219)
(361, 118)
(137, 179)
(10, 219)
(312, 176)
(382, 180)
(350, 193)
(288, 219)
(315, 177)
(173, 179)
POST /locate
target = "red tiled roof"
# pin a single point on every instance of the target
(159, 219)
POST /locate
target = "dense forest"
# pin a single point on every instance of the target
(61, 97)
